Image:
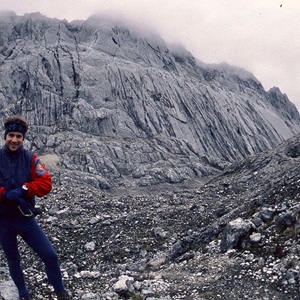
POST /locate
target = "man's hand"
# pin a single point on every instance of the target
(13, 195)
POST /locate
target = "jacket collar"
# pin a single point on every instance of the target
(12, 153)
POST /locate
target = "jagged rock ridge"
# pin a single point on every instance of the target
(113, 108)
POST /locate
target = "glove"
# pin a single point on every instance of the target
(8, 200)
(13, 195)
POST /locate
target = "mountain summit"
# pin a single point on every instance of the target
(113, 108)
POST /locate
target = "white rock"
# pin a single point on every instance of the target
(255, 237)
(90, 246)
(124, 284)
(8, 290)
(91, 296)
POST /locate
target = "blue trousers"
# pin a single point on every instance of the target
(34, 236)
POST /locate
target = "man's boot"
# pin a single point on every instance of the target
(63, 296)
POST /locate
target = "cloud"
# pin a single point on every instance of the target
(260, 36)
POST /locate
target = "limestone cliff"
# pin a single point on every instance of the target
(111, 107)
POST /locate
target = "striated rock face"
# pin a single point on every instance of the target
(114, 108)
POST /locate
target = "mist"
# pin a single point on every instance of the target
(259, 36)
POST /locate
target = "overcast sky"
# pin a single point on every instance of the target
(261, 36)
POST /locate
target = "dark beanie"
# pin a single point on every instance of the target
(15, 124)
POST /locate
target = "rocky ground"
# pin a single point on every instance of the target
(235, 236)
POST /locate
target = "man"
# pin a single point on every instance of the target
(22, 176)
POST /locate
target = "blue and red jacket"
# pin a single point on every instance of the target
(18, 168)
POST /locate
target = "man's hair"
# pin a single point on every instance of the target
(16, 120)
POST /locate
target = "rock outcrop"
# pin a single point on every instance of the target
(110, 107)
(234, 237)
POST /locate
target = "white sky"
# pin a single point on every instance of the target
(261, 36)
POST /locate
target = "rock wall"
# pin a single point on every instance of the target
(121, 109)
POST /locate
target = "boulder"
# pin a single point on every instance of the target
(234, 233)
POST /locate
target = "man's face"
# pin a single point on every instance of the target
(14, 140)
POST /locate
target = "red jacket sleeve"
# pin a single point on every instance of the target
(41, 183)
